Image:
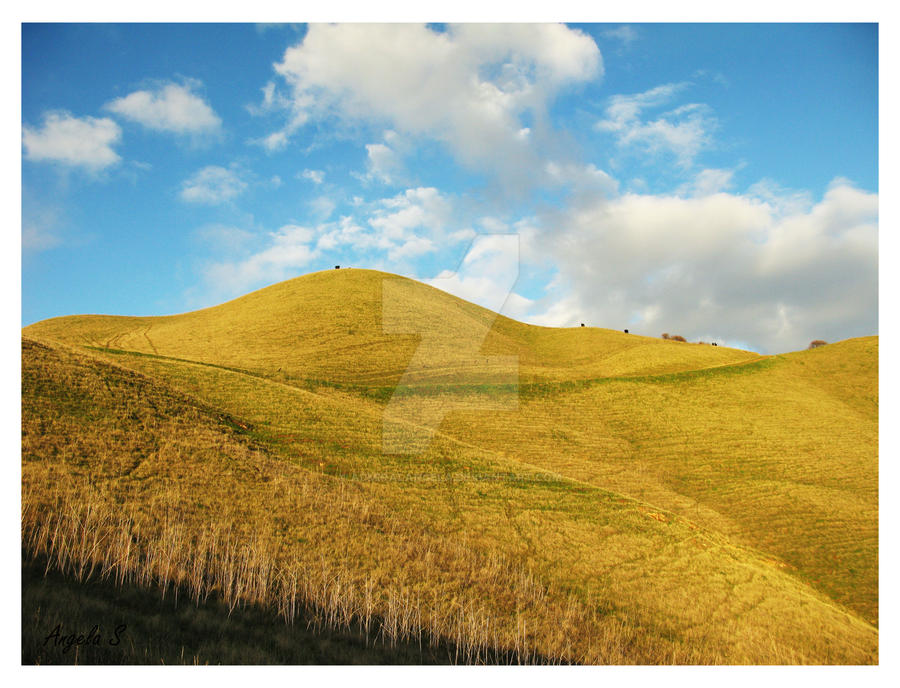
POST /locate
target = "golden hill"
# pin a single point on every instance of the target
(642, 501)
(329, 326)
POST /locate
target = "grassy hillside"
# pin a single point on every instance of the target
(780, 455)
(138, 626)
(642, 501)
(329, 326)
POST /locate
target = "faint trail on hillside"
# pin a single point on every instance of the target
(758, 559)
(146, 334)
(497, 456)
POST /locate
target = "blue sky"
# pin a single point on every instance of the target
(715, 181)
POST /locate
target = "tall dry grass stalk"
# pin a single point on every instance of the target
(83, 535)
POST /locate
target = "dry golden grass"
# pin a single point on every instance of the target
(781, 455)
(329, 326)
(645, 501)
(159, 490)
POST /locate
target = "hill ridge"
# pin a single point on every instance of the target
(328, 325)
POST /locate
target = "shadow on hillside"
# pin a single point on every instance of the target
(137, 626)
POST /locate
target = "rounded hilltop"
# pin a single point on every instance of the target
(330, 325)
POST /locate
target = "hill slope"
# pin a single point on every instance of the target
(661, 501)
(329, 326)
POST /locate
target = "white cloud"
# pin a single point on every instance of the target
(585, 182)
(709, 181)
(466, 234)
(564, 311)
(412, 248)
(626, 34)
(315, 176)
(170, 107)
(384, 160)
(735, 267)
(717, 266)
(783, 201)
(322, 207)
(288, 252)
(382, 163)
(399, 228)
(275, 141)
(346, 232)
(420, 208)
(487, 275)
(212, 185)
(682, 132)
(78, 142)
(468, 87)
(274, 102)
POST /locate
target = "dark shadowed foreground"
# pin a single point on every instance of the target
(138, 626)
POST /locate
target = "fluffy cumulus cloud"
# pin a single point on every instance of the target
(710, 181)
(287, 253)
(759, 266)
(401, 75)
(739, 269)
(170, 107)
(397, 229)
(682, 131)
(424, 208)
(585, 183)
(72, 141)
(488, 275)
(727, 267)
(384, 161)
(212, 185)
(346, 232)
